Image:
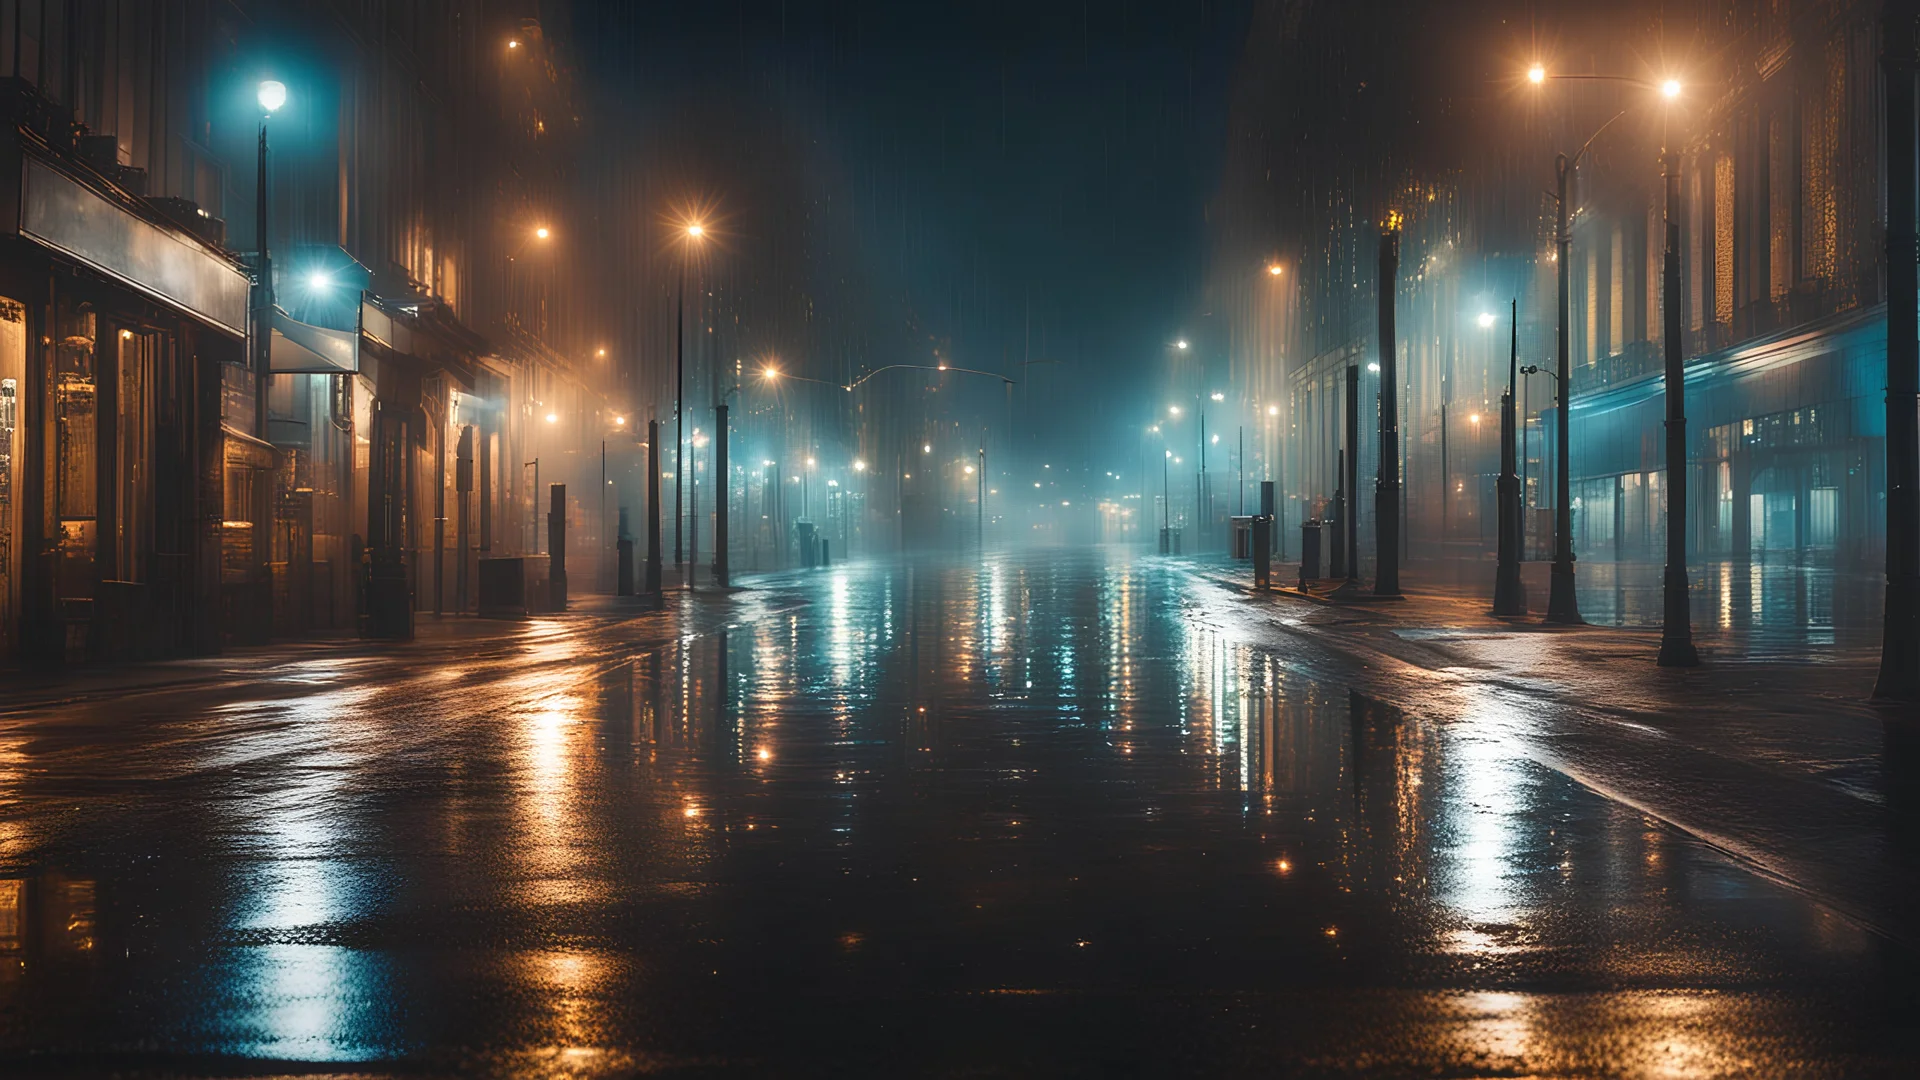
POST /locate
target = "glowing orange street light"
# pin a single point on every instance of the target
(1537, 74)
(1275, 269)
(543, 232)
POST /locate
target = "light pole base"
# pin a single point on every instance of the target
(1509, 593)
(1676, 634)
(1899, 681)
(1562, 606)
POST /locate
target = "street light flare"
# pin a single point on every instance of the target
(543, 232)
(1536, 74)
(273, 94)
(696, 231)
(1670, 89)
(1275, 269)
(1486, 320)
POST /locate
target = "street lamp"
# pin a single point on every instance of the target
(1562, 604)
(694, 231)
(271, 95)
(543, 233)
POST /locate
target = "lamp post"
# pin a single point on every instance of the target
(271, 96)
(1676, 629)
(1387, 507)
(1562, 604)
(1899, 678)
(1509, 592)
(693, 232)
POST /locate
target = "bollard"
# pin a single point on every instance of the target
(1309, 551)
(557, 547)
(824, 560)
(1263, 552)
(624, 546)
(1267, 511)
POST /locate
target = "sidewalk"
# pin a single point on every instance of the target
(1769, 751)
(596, 621)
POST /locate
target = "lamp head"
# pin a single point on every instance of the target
(1537, 74)
(272, 95)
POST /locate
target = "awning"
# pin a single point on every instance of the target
(74, 219)
(298, 348)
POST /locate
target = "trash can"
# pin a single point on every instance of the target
(803, 535)
(1242, 530)
(1309, 551)
(1261, 541)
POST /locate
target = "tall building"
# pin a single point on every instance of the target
(200, 445)
(1425, 117)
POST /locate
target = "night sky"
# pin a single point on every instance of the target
(1030, 179)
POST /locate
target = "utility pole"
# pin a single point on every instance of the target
(653, 510)
(1562, 605)
(1386, 487)
(679, 415)
(1509, 592)
(1676, 629)
(1900, 646)
(604, 546)
(980, 485)
(1350, 482)
(463, 489)
(722, 576)
(1200, 486)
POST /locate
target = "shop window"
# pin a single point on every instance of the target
(133, 456)
(1823, 517)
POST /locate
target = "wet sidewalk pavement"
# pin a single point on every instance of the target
(1056, 813)
(1770, 749)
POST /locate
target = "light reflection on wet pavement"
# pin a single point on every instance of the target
(1032, 817)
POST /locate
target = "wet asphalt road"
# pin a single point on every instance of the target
(1036, 817)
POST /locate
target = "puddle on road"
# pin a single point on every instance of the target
(1025, 809)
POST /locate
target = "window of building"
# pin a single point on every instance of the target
(1723, 232)
(1780, 200)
